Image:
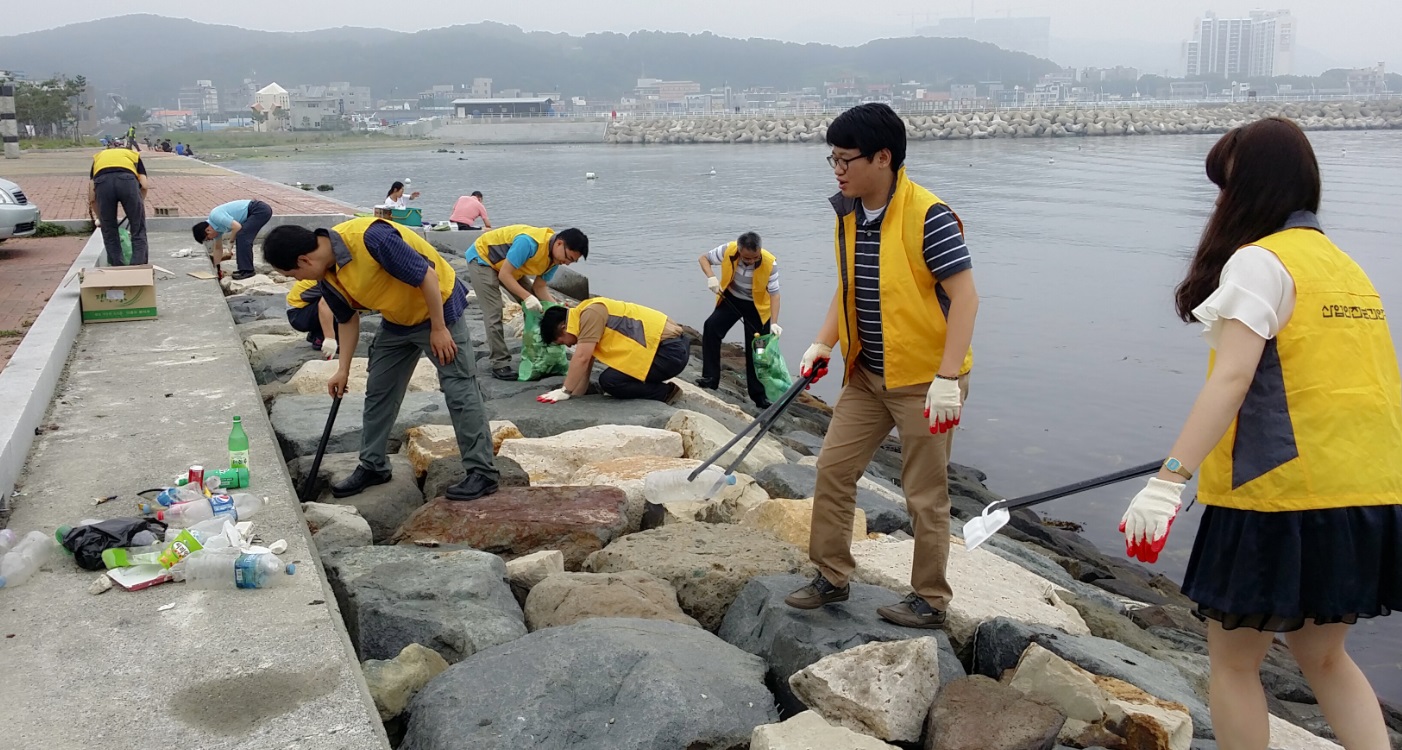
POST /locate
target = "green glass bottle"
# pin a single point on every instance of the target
(238, 446)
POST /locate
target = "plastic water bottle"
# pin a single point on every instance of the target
(238, 446)
(225, 571)
(8, 539)
(672, 485)
(239, 507)
(21, 562)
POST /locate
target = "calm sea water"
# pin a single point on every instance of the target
(1080, 366)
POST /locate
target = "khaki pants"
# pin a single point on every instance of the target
(489, 291)
(863, 417)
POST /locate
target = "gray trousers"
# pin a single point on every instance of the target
(487, 285)
(393, 357)
(112, 189)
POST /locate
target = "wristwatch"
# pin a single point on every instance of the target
(1176, 466)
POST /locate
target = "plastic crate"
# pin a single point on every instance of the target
(409, 217)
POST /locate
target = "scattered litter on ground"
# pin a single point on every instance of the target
(165, 607)
(183, 252)
(100, 585)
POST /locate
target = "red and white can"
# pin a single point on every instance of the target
(196, 477)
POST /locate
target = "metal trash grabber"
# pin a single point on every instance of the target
(764, 422)
(308, 493)
(996, 515)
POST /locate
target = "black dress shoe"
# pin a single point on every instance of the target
(762, 403)
(709, 385)
(504, 373)
(475, 486)
(241, 275)
(359, 480)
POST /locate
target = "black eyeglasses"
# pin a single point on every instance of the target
(833, 161)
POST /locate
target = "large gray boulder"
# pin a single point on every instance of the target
(384, 506)
(798, 481)
(299, 421)
(454, 601)
(599, 684)
(1000, 642)
(446, 472)
(789, 639)
(535, 419)
(570, 283)
(247, 308)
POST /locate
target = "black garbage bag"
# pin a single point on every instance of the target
(87, 542)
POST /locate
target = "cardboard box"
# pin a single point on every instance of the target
(118, 293)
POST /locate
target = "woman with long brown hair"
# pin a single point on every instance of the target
(1296, 439)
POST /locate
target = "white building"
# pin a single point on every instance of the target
(1259, 46)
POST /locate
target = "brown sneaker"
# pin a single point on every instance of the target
(913, 612)
(816, 594)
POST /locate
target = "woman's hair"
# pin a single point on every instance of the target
(1266, 171)
(396, 186)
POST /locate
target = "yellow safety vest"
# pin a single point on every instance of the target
(912, 323)
(365, 285)
(294, 295)
(493, 245)
(630, 338)
(760, 289)
(119, 158)
(1321, 426)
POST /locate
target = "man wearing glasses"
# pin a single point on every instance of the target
(904, 313)
(503, 257)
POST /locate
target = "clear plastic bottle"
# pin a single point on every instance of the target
(672, 485)
(31, 554)
(8, 539)
(238, 507)
(226, 570)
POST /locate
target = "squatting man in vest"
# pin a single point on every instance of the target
(506, 255)
(904, 313)
(308, 313)
(747, 290)
(641, 348)
(368, 264)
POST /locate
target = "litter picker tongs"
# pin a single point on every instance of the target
(764, 422)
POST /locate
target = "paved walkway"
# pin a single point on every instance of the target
(170, 666)
(57, 181)
(30, 270)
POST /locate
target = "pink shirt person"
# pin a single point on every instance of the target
(467, 209)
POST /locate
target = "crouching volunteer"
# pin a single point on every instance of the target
(244, 220)
(748, 291)
(904, 313)
(308, 312)
(1296, 439)
(641, 347)
(372, 265)
(505, 256)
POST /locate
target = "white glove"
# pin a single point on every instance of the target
(943, 405)
(532, 304)
(818, 356)
(329, 348)
(776, 329)
(713, 284)
(554, 397)
(1149, 518)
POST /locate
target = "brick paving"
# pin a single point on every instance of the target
(30, 270)
(58, 183)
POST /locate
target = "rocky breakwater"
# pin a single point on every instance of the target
(1048, 122)
(569, 610)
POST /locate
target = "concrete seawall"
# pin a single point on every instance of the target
(1050, 122)
(508, 132)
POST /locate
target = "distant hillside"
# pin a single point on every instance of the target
(148, 58)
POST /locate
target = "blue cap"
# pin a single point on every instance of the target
(292, 569)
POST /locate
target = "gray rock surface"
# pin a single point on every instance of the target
(446, 472)
(798, 481)
(384, 506)
(1000, 643)
(336, 526)
(535, 419)
(247, 308)
(960, 718)
(789, 639)
(600, 684)
(454, 601)
(300, 420)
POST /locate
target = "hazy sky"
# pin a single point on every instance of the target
(1349, 32)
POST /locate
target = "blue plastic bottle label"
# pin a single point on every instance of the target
(223, 505)
(246, 572)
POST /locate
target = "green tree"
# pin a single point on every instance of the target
(51, 106)
(132, 114)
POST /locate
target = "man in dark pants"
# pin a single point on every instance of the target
(370, 264)
(748, 290)
(641, 347)
(244, 219)
(118, 176)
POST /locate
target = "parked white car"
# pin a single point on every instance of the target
(18, 217)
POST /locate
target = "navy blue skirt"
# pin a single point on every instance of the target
(1277, 571)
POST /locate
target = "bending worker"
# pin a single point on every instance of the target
(641, 347)
(506, 255)
(308, 312)
(747, 290)
(904, 311)
(370, 264)
(118, 177)
(244, 220)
